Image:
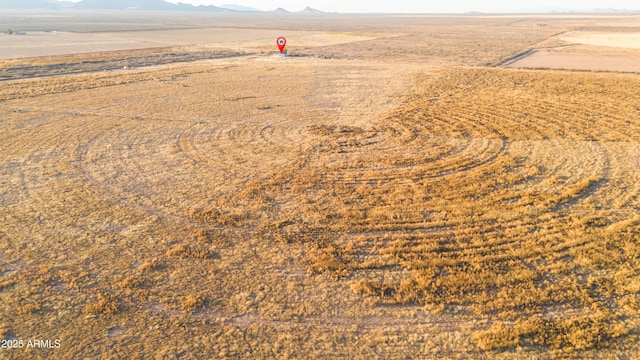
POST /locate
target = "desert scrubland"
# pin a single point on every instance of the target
(396, 187)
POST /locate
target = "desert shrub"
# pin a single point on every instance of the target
(103, 304)
(193, 251)
(191, 302)
(498, 336)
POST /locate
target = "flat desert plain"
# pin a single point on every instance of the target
(396, 187)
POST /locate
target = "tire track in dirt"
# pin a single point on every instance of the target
(225, 147)
(106, 190)
(16, 191)
(594, 186)
(367, 323)
(623, 175)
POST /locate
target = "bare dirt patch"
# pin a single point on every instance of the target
(586, 51)
(620, 40)
(579, 60)
(106, 61)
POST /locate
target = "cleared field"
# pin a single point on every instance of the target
(586, 51)
(624, 40)
(391, 202)
(583, 60)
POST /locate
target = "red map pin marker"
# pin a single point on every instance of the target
(282, 42)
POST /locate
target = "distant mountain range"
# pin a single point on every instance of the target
(161, 5)
(141, 5)
(34, 4)
(157, 5)
(239, 8)
(556, 10)
(614, 11)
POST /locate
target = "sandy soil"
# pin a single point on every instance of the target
(586, 51)
(580, 60)
(619, 40)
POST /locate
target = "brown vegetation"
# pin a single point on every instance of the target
(301, 207)
(486, 224)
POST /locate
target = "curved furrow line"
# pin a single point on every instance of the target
(83, 151)
(17, 191)
(600, 127)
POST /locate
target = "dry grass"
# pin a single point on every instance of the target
(487, 223)
(326, 208)
(103, 304)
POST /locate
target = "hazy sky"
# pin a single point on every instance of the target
(431, 6)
